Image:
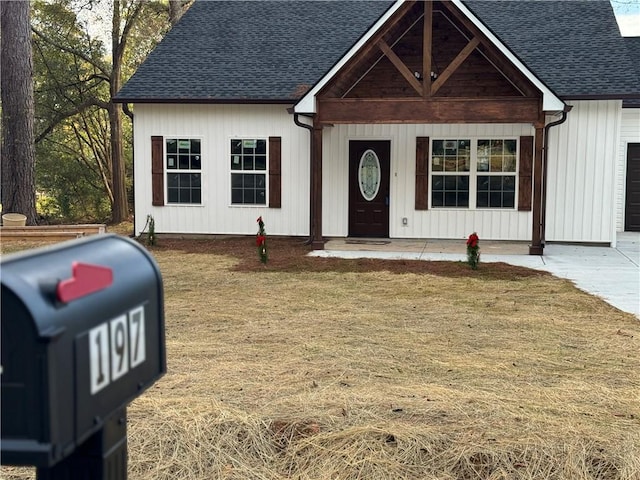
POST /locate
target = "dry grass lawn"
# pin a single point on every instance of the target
(312, 368)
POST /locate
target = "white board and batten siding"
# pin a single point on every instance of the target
(216, 125)
(582, 157)
(629, 133)
(585, 174)
(433, 223)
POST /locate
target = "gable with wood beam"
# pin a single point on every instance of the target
(429, 64)
(433, 62)
(451, 43)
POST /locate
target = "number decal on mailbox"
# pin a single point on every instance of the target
(136, 335)
(99, 357)
(115, 347)
(119, 351)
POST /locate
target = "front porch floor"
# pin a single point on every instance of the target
(425, 246)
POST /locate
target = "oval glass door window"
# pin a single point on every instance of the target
(369, 175)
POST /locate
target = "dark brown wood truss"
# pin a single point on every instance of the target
(429, 64)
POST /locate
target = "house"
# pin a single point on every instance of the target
(387, 119)
(627, 186)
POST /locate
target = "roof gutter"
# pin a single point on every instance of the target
(545, 155)
(312, 200)
(129, 113)
(204, 100)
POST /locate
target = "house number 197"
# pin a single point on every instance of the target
(115, 347)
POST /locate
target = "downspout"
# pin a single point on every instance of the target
(296, 120)
(545, 146)
(129, 113)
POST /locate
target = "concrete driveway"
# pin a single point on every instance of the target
(610, 273)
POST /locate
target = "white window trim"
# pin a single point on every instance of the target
(473, 173)
(266, 171)
(167, 171)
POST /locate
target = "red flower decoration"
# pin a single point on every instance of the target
(261, 241)
(473, 250)
(472, 241)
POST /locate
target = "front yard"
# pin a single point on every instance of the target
(315, 368)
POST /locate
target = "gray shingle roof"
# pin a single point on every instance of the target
(272, 51)
(633, 49)
(251, 50)
(574, 46)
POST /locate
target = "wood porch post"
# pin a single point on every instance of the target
(316, 186)
(427, 35)
(536, 247)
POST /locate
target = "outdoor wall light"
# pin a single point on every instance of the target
(418, 75)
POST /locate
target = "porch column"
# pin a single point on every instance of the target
(539, 175)
(316, 186)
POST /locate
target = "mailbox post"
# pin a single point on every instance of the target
(82, 335)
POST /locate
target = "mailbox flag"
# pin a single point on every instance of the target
(85, 279)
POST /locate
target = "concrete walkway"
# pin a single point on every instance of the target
(610, 273)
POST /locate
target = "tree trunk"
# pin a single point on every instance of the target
(176, 9)
(16, 85)
(120, 208)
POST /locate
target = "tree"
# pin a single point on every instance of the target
(176, 9)
(88, 86)
(119, 38)
(18, 147)
(73, 152)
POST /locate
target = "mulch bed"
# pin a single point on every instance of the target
(287, 254)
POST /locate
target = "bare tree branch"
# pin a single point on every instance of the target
(121, 43)
(63, 116)
(101, 67)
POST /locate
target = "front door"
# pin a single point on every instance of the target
(369, 165)
(632, 200)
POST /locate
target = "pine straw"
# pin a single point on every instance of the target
(336, 374)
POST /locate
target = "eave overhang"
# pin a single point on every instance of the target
(622, 96)
(208, 101)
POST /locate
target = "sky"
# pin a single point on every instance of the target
(628, 16)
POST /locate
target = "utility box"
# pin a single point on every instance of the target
(82, 335)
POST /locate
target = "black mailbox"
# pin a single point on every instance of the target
(82, 336)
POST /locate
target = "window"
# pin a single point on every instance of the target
(183, 166)
(494, 188)
(176, 171)
(451, 159)
(248, 171)
(473, 173)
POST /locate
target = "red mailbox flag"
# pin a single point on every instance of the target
(85, 279)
